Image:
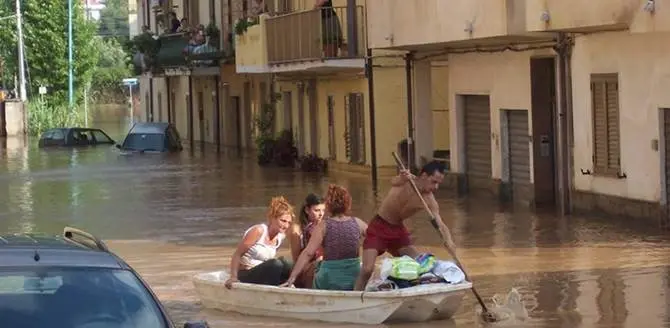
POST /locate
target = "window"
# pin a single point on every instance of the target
(101, 137)
(605, 108)
(58, 135)
(76, 298)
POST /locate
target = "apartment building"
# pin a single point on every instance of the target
(556, 102)
(341, 102)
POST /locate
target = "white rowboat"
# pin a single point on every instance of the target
(413, 304)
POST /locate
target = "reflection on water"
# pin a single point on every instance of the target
(174, 216)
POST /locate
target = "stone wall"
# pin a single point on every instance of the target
(584, 202)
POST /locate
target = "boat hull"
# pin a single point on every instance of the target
(414, 304)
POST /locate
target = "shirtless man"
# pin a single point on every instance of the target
(386, 232)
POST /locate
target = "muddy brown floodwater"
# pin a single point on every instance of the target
(174, 216)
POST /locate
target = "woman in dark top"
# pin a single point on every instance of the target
(340, 237)
(331, 31)
(310, 215)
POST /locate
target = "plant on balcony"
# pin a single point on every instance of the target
(146, 45)
(243, 24)
(213, 34)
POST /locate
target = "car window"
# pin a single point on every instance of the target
(47, 135)
(58, 135)
(100, 137)
(76, 298)
(145, 141)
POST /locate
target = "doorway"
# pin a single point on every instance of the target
(516, 155)
(301, 119)
(332, 146)
(665, 155)
(543, 102)
(201, 116)
(236, 119)
(477, 117)
(171, 109)
(313, 118)
(354, 118)
(160, 106)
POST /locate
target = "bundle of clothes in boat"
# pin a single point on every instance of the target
(403, 272)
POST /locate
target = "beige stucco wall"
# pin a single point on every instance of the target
(505, 77)
(339, 89)
(644, 81)
(160, 87)
(139, 113)
(440, 105)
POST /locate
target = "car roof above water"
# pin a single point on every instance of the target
(35, 250)
(149, 128)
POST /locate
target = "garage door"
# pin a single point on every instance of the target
(519, 154)
(666, 126)
(478, 141)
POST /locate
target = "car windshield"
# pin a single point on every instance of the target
(76, 298)
(145, 141)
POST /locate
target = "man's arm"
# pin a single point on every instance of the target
(444, 230)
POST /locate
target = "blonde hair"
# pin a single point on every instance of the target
(278, 207)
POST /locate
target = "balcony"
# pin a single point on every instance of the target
(172, 54)
(303, 41)
(580, 15)
(251, 47)
(317, 40)
(426, 24)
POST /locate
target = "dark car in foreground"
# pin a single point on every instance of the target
(73, 281)
(151, 137)
(73, 137)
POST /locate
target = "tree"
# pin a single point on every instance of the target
(45, 37)
(114, 21)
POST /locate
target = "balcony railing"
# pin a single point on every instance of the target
(337, 32)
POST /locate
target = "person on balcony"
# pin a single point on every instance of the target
(331, 31)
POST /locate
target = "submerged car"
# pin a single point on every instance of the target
(73, 280)
(73, 137)
(151, 137)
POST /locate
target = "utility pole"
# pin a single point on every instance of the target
(69, 55)
(22, 67)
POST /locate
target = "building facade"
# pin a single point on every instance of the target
(339, 99)
(551, 102)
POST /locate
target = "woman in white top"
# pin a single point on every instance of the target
(254, 260)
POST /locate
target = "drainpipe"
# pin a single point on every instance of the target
(410, 112)
(217, 111)
(371, 107)
(190, 110)
(352, 29)
(562, 121)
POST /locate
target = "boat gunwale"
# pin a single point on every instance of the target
(410, 292)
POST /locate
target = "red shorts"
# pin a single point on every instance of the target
(386, 237)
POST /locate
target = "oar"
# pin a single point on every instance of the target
(486, 315)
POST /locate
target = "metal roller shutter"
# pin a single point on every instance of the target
(478, 140)
(519, 144)
(666, 125)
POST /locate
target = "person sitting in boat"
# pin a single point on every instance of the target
(254, 259)
(340, 237)
(310, 215)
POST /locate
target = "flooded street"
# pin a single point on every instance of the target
(174, 216)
